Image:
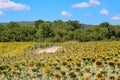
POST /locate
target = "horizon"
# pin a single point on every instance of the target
(54, 20)
(91, 12)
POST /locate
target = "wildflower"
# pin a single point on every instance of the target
(5, 72)
(99, 75)
(111, 63)
(86, 68)
(57, 75)
(83, 59)
(93, 60)
(38, 64)
(69, 59)
(14, 69)
(64, 63)
(98, 63)
(118, 78)
(69, 65)
(77, 69)
(1, 67)
(34, 69)
(72, 75)
(57, 67)
(47, 69)
(116, 54)
(111, 77)
(63, 72)
(85, 78)
(78, 63)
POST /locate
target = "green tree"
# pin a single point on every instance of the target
(104, 25)
(45, 31)
(13, 25)
(56, 38)
(75, 24)
(38, 22)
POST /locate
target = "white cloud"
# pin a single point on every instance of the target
(88, 14)
(10, 5)
(81, 5)
(116, 17)
(94, 2)
(86, 4)
(1, 13)
(104, 12)
(66, 14)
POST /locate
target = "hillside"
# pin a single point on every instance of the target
(22, 23)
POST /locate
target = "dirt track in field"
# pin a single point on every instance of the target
(52, 49)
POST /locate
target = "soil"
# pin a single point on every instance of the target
(52, 49)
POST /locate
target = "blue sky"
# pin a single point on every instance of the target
(85, 11)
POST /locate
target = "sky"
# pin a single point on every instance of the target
(85, 11)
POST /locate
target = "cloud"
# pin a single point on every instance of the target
(88, 14)
(81, 5)
(10, 5)
(116, 17)
(66, 14)
(104, 12)
(86, 4)
(1, 13)
(94, 2)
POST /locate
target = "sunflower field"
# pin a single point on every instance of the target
(73, 61)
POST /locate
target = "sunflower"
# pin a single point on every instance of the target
(47, 69)
(118, 78)
(78, 63)
(111, 77)
(98, 63)
(93, 60)
(77, 69)
(72, 75)
(111, 63)
(64, 63)
(57, 75)
(69, 65)
(99, 75)
(57, 67)
(85, 78)
(63, 72)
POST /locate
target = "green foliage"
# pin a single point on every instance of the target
(58, 31)
(104, 25)
(38, 22)
(13, 25)
(46, 30)
(75, 24)
(56, 38)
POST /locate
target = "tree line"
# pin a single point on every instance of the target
(58, 31)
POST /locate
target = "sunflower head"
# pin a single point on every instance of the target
(64, 63)
(72, 75)
(63, 72)
(98, 63)
(77, 69)
(57, 75)
(111, 63)
(99, 75)
(111, 77)
(118, 78)
(85, 78)
(47, 69)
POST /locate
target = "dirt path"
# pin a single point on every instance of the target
(52, 49)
